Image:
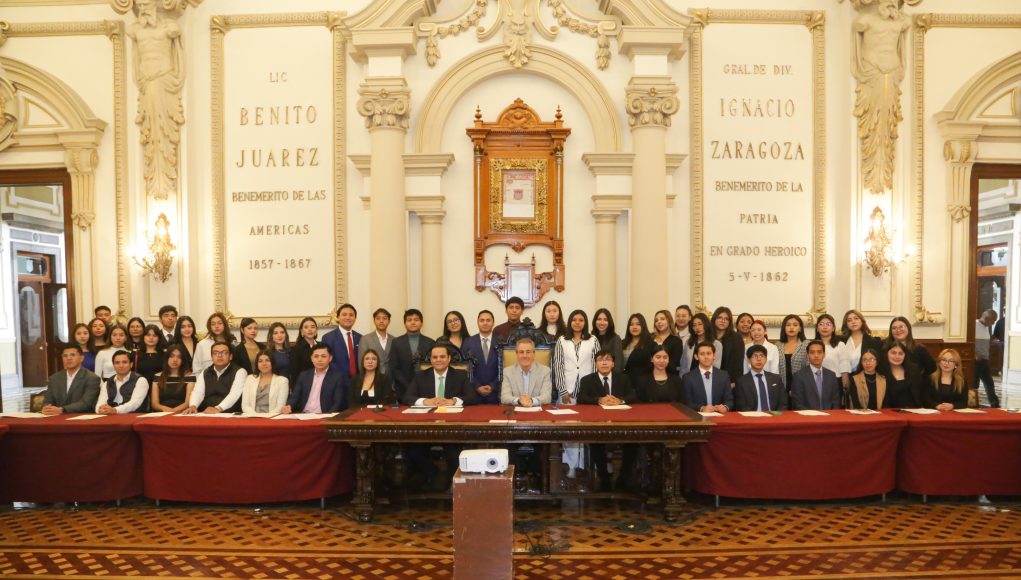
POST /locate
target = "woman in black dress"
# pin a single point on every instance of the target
(301, 352)
(184, 335)
(604, 330)
(662, 385)
(732, 357)
(149, 358)
(371, 387)
(173, 386)
(900, 331)
(136, 326)
(663, 334)
(637, 347)
(278, 343)
(947, 389)
(903, 380)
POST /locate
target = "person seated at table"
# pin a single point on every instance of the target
(868, 387)
(903, 380)
(606, 387)
(759, 389)
(264, 391)
(218, 388)
(372, 386)
(173, 386)
(707, 388)
(319, 389)
(814, 387)
(439, 386)
(74, 389)
(126, 391)
(526, 383)
(947, 389)
(664, 384)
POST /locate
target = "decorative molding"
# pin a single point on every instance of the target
(385, 103)
(814, 21)
(219, 26)
(922, 24)
(958, 212)
(9, 111)
(651, 101)
(488, 63)
(517, 20)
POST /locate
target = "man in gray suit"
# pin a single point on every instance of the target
(379, 341)
(527, 383)
(814, 387)
(74, 389)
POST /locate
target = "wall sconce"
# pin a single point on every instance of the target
(161, 252)
(880, 252)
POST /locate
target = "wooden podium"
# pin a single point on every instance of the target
(484, 525)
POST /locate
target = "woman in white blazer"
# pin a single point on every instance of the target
(573, 358)
(265, 391)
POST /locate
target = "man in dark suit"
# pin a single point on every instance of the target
(606, 387)
(343, 343)
(319, 389)
(74, 389)
(707, 388)
(439, 386)
(758, 390)
(814, 387)
(482, 350)
(408, 351)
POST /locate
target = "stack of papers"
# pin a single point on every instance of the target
(304, 416)
(211, 415)
(561, 411)
(85, 417)
(450, 409)
(754, 414)
(17, 415)
(615, 407)
(417, 410)
(863, 412)
(921, 411)
(970, 411)
(527, 409)
(812, 413)
(263, 415)
(155, 414)
(710, 414)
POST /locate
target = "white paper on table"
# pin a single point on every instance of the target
(21, 415)
(527, 409)
(754, 414)
(561, 411)
(449, 409)
(502, 421)
(615, 407)
(312, 416)
(211, 415)
(282, 416)
(710, 414)
(85, 417)
(921, 411)
(970, 411)
(863, 412)
(811, 413)
(417, 410)
(155, 414)
(262, 415)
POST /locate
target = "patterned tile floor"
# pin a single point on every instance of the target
(591, 540)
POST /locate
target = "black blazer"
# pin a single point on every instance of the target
(746, 392)
(332, 397)
(301, 360)
(649, 391)
(383, 388)
(694, 390)
(241, 358)
(804, 395)
(674, 347)
(933, 394)
(640, 361)
(591, 389)
(402, 364)
(423, 386)
(868, 342)
(733, 355)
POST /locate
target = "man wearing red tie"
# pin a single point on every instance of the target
(343, 343)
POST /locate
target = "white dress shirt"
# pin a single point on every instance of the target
(203, 358)
(198, 394)
(137, 396)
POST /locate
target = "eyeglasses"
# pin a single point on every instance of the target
(220, 353)
(948, 360)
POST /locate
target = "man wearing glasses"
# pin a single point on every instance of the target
(218, 389)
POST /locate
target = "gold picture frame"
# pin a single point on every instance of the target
(502, 202)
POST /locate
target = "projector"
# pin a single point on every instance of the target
(483, 461)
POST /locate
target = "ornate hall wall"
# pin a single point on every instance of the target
(720, 153)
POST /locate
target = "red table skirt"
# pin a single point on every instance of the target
(645, 412)
(242, 460)
(56, 460)
(794, 457)
(959, 454)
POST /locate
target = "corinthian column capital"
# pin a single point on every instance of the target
(651, 101)
(385, 103)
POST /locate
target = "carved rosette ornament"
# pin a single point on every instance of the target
(878, 64)
(385, 107)
(651, 105)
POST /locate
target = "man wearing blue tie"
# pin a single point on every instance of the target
(707, 388)
(759, 390)
(814, 387)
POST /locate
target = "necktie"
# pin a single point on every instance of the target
(818, 385)
(441, 390)
(606, 385)
(485, 350)
(708, 388)
(352, 365)
(763, 394)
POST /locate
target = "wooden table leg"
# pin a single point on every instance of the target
(364, 473)
(673, 501)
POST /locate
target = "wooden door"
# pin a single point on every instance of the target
(34, 353)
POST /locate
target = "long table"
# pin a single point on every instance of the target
(241, 460)
(671, 426)
(961, 454)
(59, 460)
